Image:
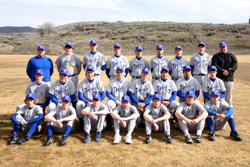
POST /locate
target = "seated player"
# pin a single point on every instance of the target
(156, 116)
(191, 117)
(219, 114)
(27, 118)
(124, 117)
(94, 118)
(61, 119)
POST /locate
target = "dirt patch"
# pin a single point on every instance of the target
(242, 72)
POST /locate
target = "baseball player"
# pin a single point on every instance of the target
(124, 117)
(72, 63)
(59, 89)
(116, 60)
(191, 117)
(137, 64)
(86, 89)
(219, 114)
(212, 83)
(157, 62)
(176, 64)
(187, 82)
(61, 119)
(200, 62)
(27, 119)
(156, 116)
(115, 90)
(95, 59)
(94, 118)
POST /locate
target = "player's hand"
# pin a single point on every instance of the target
(142, 105)
(95, 117)
(89, 103)
(124, 124)
(195, 121)
(166, 103)
(156, 127)
(124, 119)
(189, 121)
(225, 72)
(222, 117)
(118, 102)
(59, 104)
(60, 125)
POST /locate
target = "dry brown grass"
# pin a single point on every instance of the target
(222, 152)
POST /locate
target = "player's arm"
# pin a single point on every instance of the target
(233, 65)
(53, 98)
(215, 63)
(58, 68)
(133, 98)
(147, 117)
(166, 116)
(79, 69)
(173, 97)
(49, 117)
(180, 116)
(29, 69)
(82, 98)
(133, 116)
(40, 116)
(181, 95)
(13, 118)
(110, 96)
(206, 95)
(116, 116)
(68, 118)
(202, 116)
(51, 67)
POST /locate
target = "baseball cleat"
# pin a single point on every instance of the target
(49, 140)
(236, 136)
(168, 139)
(128, 139)
(189, 139)
(14, 139)
(87, 137)
(211, 136)
(198, 138)
(23, 140)
(148, 139)
(117, 139)
(63, 140)
(98, 136)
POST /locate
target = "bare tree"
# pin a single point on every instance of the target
(195, 29)
(49, 27)
(41, 30)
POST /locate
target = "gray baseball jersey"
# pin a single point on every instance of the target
(200, 63)
(156, 112)
(122, 112)
(190, 112)
(113, 62)
(60, 90)
(117, 88)
(97, 61)
(136, 65)
(209, 86)
(156, 64)
(29, 114)
(176, 67)
(88, 89)
(71, 63)
(164, 89)
(142, 91)
(92, 108)
(220, 108)
(59, 113)
(41, 91)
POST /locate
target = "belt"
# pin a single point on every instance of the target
(137, 77)
(201, 74)
(155, 78)
(71, 75)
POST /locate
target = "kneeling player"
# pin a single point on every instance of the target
(219, 114)
(124, 117)
(191, 117)
(156, 116)
(63, 123)
(27, 118)
(94, 118)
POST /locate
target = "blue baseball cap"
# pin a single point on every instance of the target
(97, 97)
(120, 68)
(69, 44)
(90, 68)
(64, 71)
(117, 45)
(223, 44)
(93, 42)
(212, 68)
(40, 47)
(201, 44)
(30, 96)
(139, 48)
(159, 47)
(157, 96)
(145, 70)
(190, 93)
(125, 98)
(186, 67)
(215, 93)
(178, 47)
(66, 98)
(39, 72)
(165, 69)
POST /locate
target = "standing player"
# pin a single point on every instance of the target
(191, 117)
(95, 59)
(156, 116)
(212, 84)
(115, 61)
(94, 118)
(219, 114)
(86, 89)
(124, 119)
(27, 118)
(137, 64)
(200, 62)
(157, 62)
(63, 123)
(176, 64)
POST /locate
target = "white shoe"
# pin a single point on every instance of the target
(117, 139)
(128, 139)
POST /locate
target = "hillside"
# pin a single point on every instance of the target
(13, 29)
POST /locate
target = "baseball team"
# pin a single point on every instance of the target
(151, 105)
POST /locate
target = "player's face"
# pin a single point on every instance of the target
(117, 51)
(190, 100)
(90, 75)
(30, 102)
(93, 47)
(223, 50)
(178, 52)
(201, 49)
(40, 52)
(144, 76)
(96, 102)
(156, 103)
(39, 78)
(212, 74)
(120, 75)
(138, 53)
(65, 104)
(125, 104)
(159, 52)
(68, 50)
(215, 99)
(63, 78)
(164, 74)
(187, 74)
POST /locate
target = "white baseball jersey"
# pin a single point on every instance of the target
(118, 88)
(142, 91)
(60, 90)
(97, 61)
(176, 67)
(200, 63)
(156, 64)
(136, 65)
(220, 108)
(156, 112)
(29, 114)
(165, 89)
(71, 63)
(122, 112)
(209, 86)
(60, 113)
(89, 89)
(40, 91)
(113, 62)
(192, 111)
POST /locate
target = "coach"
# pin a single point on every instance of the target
(226, 64)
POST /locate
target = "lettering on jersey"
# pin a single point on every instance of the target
(138, 66)
(163, 88)
(213, 88)
(161, 63)
(204, 62)
(92, 90)
(187, 87)
(178, 65)
(117, 64)
(141, 91)
(93, 61)
(64, 91)
(120, 89)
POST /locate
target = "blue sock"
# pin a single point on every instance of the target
(232, 124)
(68, 129)
(49, 130)
(81, 120)
(15, 129)
(32, 129)
(210, 124)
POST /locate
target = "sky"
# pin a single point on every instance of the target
(33, 13)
